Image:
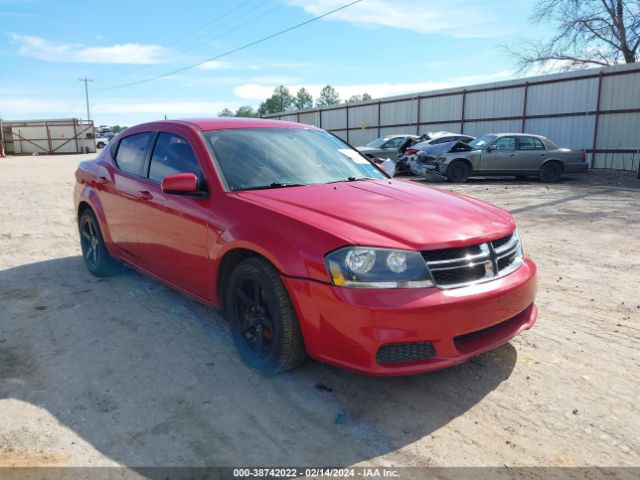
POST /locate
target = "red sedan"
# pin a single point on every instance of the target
(306, 246)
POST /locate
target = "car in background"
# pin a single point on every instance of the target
(505, 154)
(384, 147)
(408, 154)
(296, 238)
(103, 138)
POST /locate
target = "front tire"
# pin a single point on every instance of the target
(458, 172)
(94, 251)
(264, 324)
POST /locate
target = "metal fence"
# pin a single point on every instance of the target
(55, 136)
(597, 110)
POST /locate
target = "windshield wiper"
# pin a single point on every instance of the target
(272, 185)
(351, 179)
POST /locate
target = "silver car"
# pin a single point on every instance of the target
(384, 147)
(517, 154)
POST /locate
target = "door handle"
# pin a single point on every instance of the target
(144, 195)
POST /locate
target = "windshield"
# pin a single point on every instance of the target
(482, 141)
(253, 158)
(377, 143)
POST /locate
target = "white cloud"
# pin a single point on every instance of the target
(131, 53)
(213, 65)
(457, 18)
(260, 91)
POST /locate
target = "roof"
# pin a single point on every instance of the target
(233, 122)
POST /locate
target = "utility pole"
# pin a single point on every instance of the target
(86, 94)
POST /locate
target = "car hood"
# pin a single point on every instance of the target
(388, 213)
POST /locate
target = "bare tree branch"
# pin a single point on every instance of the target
(588, 32)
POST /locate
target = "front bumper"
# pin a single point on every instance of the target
(424, 168)
(347, 327)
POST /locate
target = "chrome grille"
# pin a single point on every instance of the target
(458, 267)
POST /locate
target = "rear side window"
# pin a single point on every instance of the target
(172, 154)
(531, 143)
(131, 153)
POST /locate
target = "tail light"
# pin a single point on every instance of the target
(410, 151)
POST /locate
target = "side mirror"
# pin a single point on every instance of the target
(180, 184)
(492, 147)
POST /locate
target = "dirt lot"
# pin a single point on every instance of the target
(124, 371)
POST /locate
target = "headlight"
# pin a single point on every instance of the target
(370, 267)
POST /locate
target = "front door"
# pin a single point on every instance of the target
(172, 229)
(502, 157)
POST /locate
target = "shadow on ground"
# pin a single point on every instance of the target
(149, 377)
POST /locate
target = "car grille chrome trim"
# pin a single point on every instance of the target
(460, 267)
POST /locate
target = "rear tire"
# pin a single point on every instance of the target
(458, 172)
(551, 172)
(264, 324)
(100, 145)
(94, 251)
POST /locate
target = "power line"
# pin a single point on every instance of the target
(182, 37)
(229, 52)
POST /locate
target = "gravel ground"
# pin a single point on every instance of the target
(124, 371)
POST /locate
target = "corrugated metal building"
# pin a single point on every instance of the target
(46, 137)
(597, 110)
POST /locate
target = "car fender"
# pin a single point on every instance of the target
(89, 196)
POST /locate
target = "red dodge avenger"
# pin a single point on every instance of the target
(306, 246)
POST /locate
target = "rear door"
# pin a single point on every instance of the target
(531, 153)
(503, 158)
(172, 229)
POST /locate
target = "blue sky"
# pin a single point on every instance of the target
(383, 47)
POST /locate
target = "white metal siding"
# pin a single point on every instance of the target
(366, 115)
(289, 118)
(334, 119)
(358, 138)
(310, 118)
(438, 109)
(619, 130)
(496, 126)
(404, 112)
(341, 133)
(564, 97)
(618, 161)
(620, 92)
(397, 131)
(571, 132)
(495, 103)
(439, 127)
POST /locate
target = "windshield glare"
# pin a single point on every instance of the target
(482, 141)
(262, 157)
(377, 143)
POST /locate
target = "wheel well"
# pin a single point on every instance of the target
(554, 161)
(462, 160)
(82, 207)
(227, 264)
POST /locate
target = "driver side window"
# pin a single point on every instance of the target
(172, 154)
